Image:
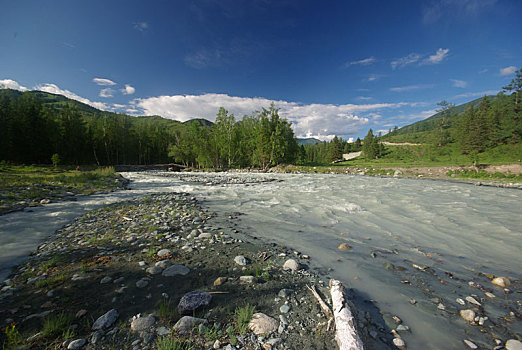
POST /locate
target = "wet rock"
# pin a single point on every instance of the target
(240, 260)
(77, 344)
(398, 342)
(106, 320)
(470, 344)
(142, 283)
(164, 252)
(186, 323)
(513, 344)
(291, 264)
(192, 301)
(460, 301)
(148, 337)
(490, 295)
(344, 246)
(472, 300)
(175, 270)
(142, 323)
(96, 337)
(219, 281)
(162, 331)
(502, 282)
(154, 270)
(402, 328)
(468, 315)
(262, 324)
(106, 279)
(163, 264)
(284, 308)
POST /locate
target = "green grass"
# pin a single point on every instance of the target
(166, 309)
(13, 337)
(243, 317)
(55, 260)
(484, 175)
(57, 325)
(168, 343)
(52, 281)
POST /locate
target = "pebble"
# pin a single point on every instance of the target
(142, 323)
(285, 293)
(95, 337)
(285, 308)
(344, 246)
(247, 279)
(106, 279)
(472, 300)
(291, 264)
(219, 281)
(106, 320)
(461, 301)
(402, 328)
(490, 295)
(468, 315)
(164, 252)
(186, 323)
(77, 344)
(162, 331)
(470, 344)
(513, 344)
(154, 270)
(192, 301)
(262, 324)
(502, 282)
(142, 283)
(175, 270)
(240, 260)
(81, 313)
(163, 264)
(398, 342)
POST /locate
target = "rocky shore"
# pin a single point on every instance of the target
(161, 272)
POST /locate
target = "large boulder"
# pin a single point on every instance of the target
(106, 320)
(142, 323)
(262, 324)
(186, 323)
(192, 301)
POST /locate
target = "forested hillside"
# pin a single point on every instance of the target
(35, 125)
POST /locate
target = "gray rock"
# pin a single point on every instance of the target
(284, 309)
(162, 331)
(154, 270)
(205, 235)
(398, 342)
(291, 264)
(285, 293)
(472, 300)
(192, 301)
(283, 319)
(163, 252)
(272, 343)
(470, 344)
(247, 279)
(402, 328)
(261, 324)
(468, 315)
(513, 344)
(240, 260)
(96, 337)
(397, 172)
(106, 279)
(106, 320)
(142, 283)
(142, 323)
(77, 344)
(175, 270)
(148, 337)
(45, 201)
(163, 264)
(186, 323)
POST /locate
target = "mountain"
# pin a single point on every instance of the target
(307, 141)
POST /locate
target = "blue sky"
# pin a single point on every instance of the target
(332, 67)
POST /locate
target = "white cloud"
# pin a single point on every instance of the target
(363, 62)
(117, 105)
(364, 98)
(108, 92)
(413, 116)
(141, 26)
(103, 82)
(129, 90)
(459, 83)
(411, 87)
(476, 94)
(404, 61)
(437, 58)
(508, 70)
(374, 77)
(11, 84)
(322, 121)
(54, 89)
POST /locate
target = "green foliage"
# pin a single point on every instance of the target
(55, 260)
(55, 159)
(243, 316)
(169, 343)
(52, 281)
(57, 325)
(14, 337)
(484, 175)
(166, 309)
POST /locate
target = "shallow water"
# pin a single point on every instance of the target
(455, 229)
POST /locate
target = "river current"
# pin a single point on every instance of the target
(416, 244)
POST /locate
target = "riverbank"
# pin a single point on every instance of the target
(140, 258)
(505, 176)
(32, 186)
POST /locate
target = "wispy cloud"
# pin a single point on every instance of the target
(459, 83)
(363, 98)
(411, 87)
(440, 9)
(103, 82)
(204, 58)
(363, 62)
(404, 61)
(309, 120)
(374, 77)
(128, 90)
(475, 94)
(108, 92)
(508, 70)
(437, 58)
(141, 26)
(11, 84)
(54, 89)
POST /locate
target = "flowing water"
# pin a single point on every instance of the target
(451, 233)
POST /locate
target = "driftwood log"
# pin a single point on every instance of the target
(345, 333)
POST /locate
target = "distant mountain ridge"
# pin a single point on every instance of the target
(307, 141)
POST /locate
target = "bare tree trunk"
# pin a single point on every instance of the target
(345, 333)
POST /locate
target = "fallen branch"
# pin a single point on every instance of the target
(345, 335)
(326, 310)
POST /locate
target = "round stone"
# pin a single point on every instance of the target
(344, 246)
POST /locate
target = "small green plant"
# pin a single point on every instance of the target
(54, 325)
(151, 252)
(68, 334)
(51, 281)
(55, 158)
(243, 317)
(231, 331)
(166, 309)
(13, 337)
(54, 261)
(212, 333)
(168, 343)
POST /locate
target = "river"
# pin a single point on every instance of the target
(412, 240)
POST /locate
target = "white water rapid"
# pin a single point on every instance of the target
(454, 232)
